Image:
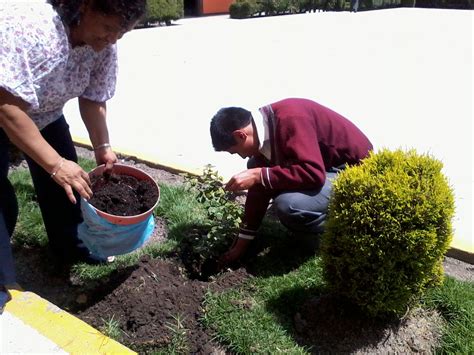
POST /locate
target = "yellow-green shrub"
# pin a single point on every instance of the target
(388, 228)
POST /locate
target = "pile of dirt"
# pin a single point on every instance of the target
(156, 301)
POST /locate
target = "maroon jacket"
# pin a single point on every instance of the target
(306, 139)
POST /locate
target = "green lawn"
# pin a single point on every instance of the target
(266, 303)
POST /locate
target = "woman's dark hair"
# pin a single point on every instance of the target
(226, 121)
(128, 10)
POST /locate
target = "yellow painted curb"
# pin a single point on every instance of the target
(70, 333)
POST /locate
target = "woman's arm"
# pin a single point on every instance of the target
(94, 116)
(22, 131)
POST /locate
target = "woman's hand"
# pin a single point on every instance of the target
(105, 155)
(70, 176)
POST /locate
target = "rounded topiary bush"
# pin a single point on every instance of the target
(388, 228)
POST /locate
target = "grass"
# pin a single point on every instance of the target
(256, 317)
(265, 305)
(178, 344)
(111, 328)
(29, 230)
(455, 302)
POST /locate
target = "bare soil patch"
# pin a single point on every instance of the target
(154, 298)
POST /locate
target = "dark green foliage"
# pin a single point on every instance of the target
(380, 4)
(388, 228)
(223, 213)
(274, 7)
(164, 11)
(309, 5)
(243, 9)
(444, 4)
(248, 8)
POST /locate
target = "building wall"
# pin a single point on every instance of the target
(215, 6)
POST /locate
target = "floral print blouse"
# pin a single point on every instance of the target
(38, 64)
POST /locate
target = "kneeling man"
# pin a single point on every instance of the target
(295, 148)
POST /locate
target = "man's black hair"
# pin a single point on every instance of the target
(226, 121)
(130, 11)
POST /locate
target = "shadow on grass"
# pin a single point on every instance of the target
(276, 258)
(325, 323)
(276, 251)
(272, 253)
(182, 232)
(39, 273)
(198, 253)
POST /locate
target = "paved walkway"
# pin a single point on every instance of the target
(403, 75)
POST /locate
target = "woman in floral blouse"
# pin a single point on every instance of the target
(51, 52)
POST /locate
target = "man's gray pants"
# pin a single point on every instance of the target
(305, 211)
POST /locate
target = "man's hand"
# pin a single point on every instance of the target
(244, 180)
(238, 248)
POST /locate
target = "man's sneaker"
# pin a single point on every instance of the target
(90, 258)
(95, 259)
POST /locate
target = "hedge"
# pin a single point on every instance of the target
(163, 11)
(388, 228)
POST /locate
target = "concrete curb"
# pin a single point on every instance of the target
(152, 160)
(71, 334)
(461, 255)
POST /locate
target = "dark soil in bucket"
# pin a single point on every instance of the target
(122, 195)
